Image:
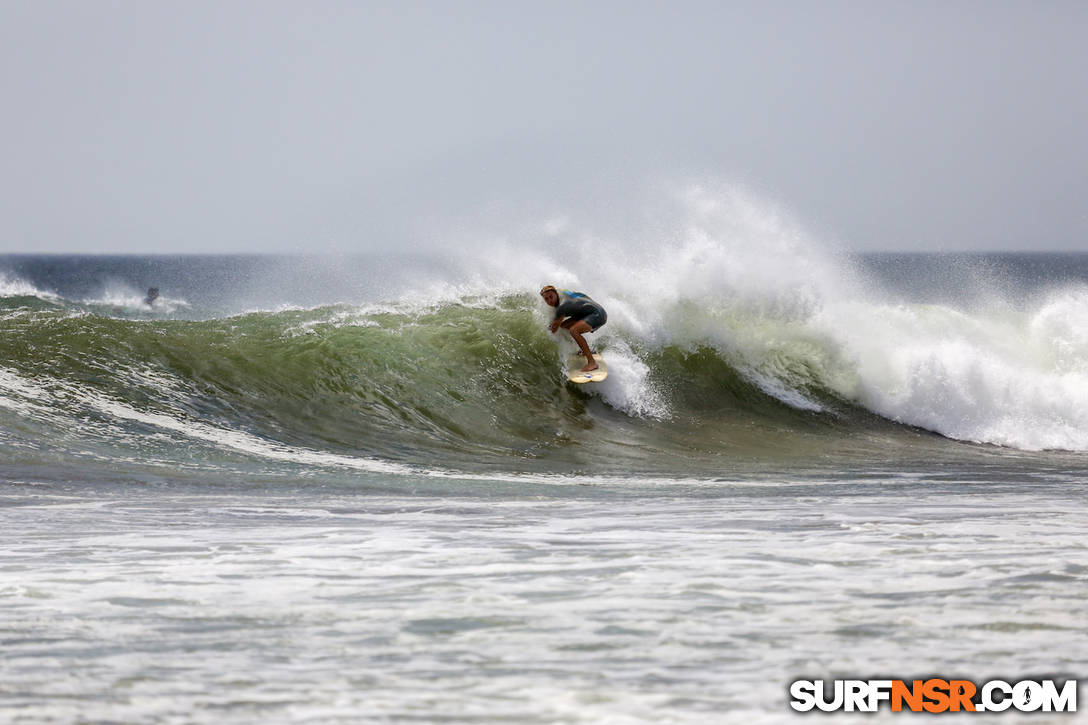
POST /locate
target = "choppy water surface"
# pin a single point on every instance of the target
(689, 603)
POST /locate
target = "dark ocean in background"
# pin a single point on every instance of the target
(359, 489)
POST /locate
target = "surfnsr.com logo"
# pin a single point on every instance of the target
(933, 695)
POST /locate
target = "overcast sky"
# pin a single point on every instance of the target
(262, 125)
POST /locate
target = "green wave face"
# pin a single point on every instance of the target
(468, 386)
(385, 384)
(451, 386)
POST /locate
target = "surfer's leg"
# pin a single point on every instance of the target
(576, 330)
(567, 324)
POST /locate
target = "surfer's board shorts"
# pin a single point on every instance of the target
(594, 316)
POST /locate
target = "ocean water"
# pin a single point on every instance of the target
(359, 489)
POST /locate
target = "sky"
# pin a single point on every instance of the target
(329, 126)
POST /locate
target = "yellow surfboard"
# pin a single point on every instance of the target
(576, 362)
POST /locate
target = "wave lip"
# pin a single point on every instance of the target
(13, 286)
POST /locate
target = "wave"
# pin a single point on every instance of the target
(474, 384)
(13, 286)
(448, 386)
(731, 333)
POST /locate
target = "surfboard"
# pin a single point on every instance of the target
(576, 362)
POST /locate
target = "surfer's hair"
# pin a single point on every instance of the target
(547, 288)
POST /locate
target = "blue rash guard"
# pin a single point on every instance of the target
(579, 306)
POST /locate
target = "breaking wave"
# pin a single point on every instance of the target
(730, 332)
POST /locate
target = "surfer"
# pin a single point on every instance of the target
(576, 313)
(152, 295)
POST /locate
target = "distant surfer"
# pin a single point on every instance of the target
(576, 313)
(152, 295)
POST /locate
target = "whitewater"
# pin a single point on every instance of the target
(360, 489)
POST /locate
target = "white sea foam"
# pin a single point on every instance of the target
(1017, 380)
(12, 286)
(628, 387)
(122, 296)
(716, 266)
(158, 606)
